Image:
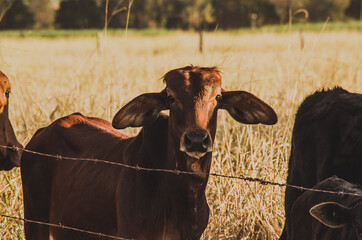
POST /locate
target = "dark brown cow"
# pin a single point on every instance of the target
(121, 201)
(326, 141)
(339, 216)
(8, 157)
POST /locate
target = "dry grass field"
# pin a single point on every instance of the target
(55, 77)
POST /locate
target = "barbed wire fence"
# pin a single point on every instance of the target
(139, 168)
(62, 227)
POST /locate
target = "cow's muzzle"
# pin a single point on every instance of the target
(196, 144)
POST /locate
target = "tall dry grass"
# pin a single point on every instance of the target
(55, 77)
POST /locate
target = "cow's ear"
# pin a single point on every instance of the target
(332, 214)
(246, 108)
(141, 111)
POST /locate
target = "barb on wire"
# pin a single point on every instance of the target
(62, 227)
(138, 168)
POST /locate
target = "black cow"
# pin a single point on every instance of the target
(335, 216)
(326, 141)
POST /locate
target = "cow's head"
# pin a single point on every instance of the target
(8, 158)
(335, 215)
(193, 95)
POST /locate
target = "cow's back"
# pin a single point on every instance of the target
(326, 141)
(327, 136)
(73, 136)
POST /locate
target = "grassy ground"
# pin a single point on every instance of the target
(55, 77)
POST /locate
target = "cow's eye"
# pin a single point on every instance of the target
(7, 93)
(218, 98)
(170, 98)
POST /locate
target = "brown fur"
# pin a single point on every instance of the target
(125, 202)
(8, 158)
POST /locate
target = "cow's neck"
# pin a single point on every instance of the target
(186, 209)
(5, 125)
(183, 195)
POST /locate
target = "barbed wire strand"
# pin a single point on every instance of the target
(138, 168)
(62, 227)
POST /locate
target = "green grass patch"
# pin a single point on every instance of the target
(331, 26)
(84, 33)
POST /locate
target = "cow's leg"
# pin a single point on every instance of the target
(36, 196)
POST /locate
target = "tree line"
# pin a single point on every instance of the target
(171, 14)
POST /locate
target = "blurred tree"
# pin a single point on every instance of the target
(282, 8)
(79, 14)
(185, 14)
(143, 14)
(265, 12)
(115, 17)
(43, 13)
(354, 9)
(149, 13)
(238, 13)
(176, 14)
(228, 14)
(322, 9)
(17, 16)
(158, 12)
(5, 5)
(196, 14)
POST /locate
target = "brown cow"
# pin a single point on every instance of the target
(8, 157)
(124, 202)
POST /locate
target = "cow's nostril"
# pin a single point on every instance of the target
(187, 142)
(206, 142)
